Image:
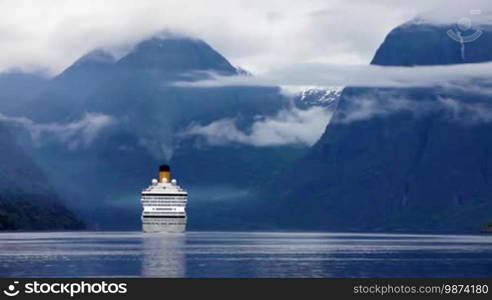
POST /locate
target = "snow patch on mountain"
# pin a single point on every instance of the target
(314, 96)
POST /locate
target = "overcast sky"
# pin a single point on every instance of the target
(257, 35)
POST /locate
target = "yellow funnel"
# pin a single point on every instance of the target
(165, 172)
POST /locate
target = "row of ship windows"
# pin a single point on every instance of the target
(175, 203)
(162, 200)
(164, 197)
(150, 212)
(153, 223)
(163, 212)
(156, 206)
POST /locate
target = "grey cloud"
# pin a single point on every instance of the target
(74, 135)
(292, 126)
(256, 34)
(364, 107)
(471, 113)
(328, 75)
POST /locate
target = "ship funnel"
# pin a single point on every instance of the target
(164, 172)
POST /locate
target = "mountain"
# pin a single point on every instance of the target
(175, 56)
(17, 88)
(102, 126)
(88, 71)
(398, 159)
(62, 98)
(418, 43)
(27, 199)
(391, 159)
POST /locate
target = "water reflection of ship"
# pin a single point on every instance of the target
(163, 255)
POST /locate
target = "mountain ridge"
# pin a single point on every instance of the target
(415, 168)
(27, 199)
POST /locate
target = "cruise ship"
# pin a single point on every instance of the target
(164, 204)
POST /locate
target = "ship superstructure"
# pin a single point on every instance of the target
(164, 204)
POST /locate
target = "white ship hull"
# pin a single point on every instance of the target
(163, 225)
(164, 205)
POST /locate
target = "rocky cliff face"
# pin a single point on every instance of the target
(400, 159)
(27, 200)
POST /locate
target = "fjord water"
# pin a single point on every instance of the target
(243, 254)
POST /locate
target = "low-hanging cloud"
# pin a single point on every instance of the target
(289, 127)
(328, 75)
(380, 104)
(74, 135)
(365, 107)
(470, 113)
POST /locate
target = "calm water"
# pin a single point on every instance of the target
(243, 254)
